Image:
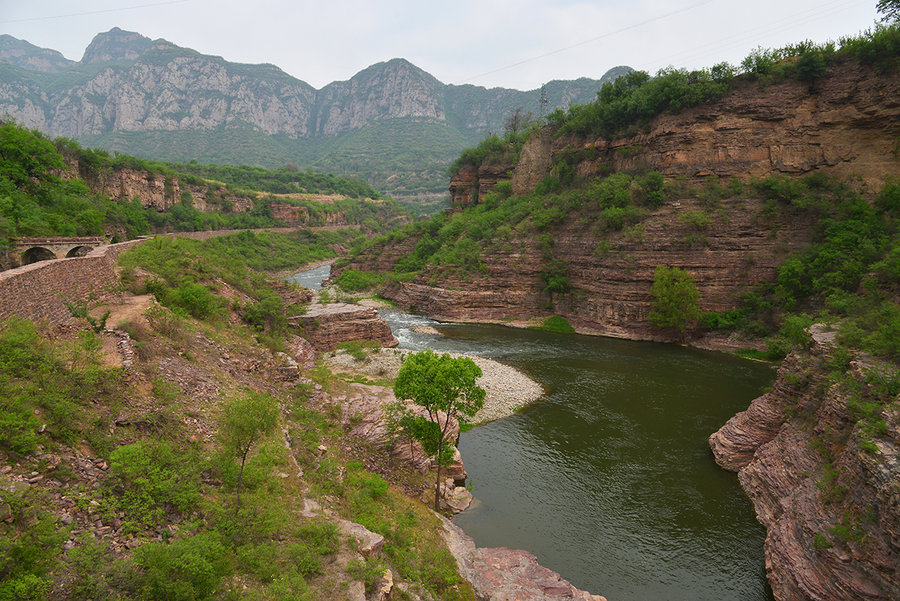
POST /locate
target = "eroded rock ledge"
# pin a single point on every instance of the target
(830, 502)
(326, 326)
(500, 574)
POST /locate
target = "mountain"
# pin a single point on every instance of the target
(392, 124)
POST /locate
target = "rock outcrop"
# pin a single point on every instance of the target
(326, 326)
(823, 481)
(846, 127)
(500, 574)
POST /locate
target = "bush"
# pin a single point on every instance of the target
(186, 570)
(676, 302)
(148, 479)
(353, 280)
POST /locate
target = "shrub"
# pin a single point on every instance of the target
(354, 280)
(676, 302)
(185, 570)
(148, 479)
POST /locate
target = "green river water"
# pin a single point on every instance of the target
(608, 479)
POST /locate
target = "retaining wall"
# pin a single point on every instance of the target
(40, 290)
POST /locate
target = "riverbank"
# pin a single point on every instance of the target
(507, 389)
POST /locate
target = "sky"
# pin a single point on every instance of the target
(517, 44)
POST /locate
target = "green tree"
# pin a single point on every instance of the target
(676, 302)
(244, 421)
(441, 384)
(890, 10)
(26, 155)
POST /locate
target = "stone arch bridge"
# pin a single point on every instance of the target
(24, 251)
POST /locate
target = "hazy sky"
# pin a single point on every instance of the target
(511, 43)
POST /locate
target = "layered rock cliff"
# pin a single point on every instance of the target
(847, 126)
(610, 274)
(823, 477)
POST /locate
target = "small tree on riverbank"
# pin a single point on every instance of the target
(441, 384)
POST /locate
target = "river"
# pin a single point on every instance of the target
(608, 479)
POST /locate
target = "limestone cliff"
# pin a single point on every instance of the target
(128, 82)
(823, 480)
(153, 99)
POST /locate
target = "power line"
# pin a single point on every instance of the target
(599, 37)
(92, 12)
(751, 35)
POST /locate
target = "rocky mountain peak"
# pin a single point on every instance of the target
(25, 54)
(116, 45)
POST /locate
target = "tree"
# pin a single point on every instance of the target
(441, 384)
(243, 422)
(890, 10)
(676, 302)
(517, 120)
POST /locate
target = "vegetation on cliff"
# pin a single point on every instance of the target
(40, 196)
(625, 106)
(848, 275)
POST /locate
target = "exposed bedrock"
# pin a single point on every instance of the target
(825, 485)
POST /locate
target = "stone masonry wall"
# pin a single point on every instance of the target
(39, 291)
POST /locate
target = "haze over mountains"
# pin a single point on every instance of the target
(392, 124)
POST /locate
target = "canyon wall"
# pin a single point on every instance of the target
(847, 126)
(825, 483)
(610, 274)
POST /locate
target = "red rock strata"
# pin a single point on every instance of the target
(326, 326)
(830, 502)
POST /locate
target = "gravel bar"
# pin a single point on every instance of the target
(507, 389)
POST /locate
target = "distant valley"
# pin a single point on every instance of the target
(392, 124)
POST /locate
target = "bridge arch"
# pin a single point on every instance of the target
(78, 251)
(35, 254)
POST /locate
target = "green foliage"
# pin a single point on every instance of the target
(555, 323)
(189, 569)
(353, 280)
(37, 379)
(147, 480)
(676, 302)
(440, 384)
(26, 156)
(493, 149)
(29, 548)
(632, 100)
(245, 420)
(879, 47)
(811, 67)
(357, 348)
(79, 309)
(889, 9)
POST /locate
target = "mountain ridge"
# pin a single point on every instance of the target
(127, 83)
